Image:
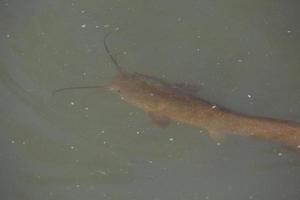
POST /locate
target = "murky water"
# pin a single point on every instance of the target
(91, 145)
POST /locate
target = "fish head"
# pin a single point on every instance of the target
(135, 90)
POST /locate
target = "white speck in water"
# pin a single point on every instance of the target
(83, 26)
(214, 106)
(123, 98)
(86, 108)
(13, 142)
(249, 95)
(151, 94)
(72, 103)
(72, 147)
(198, 49)
(288, 31)
(130, 114)
(218, 143)
(280, 154)
(240, 60)
(198, 36)
(8, 35)
(201, 131)
(107, 25)
(171, 139)
(104, 142)
(150, 161)
(102, 131)
(124, 52)
(84, 73)
(117, 29)
(298, 146)
(97, 26)
(101, 172)
(179, 19)
(138, 132)
(83, 11)
(23, 142)
(77, 185)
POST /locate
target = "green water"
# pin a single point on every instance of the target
(91, 145)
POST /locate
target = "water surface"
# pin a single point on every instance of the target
(91, 145)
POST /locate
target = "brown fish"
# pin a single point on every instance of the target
(164, 102)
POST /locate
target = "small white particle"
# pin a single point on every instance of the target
(101, 172)
(150, 161)
(117, 29)
(13, 142)
(198, 49)
(123, 98)
(218, 143)
(97, 26)
(214, 106)
(83, 26)
(298, 146)
(86, 108)
(124, 52)
(102, 131)
(72, 103)
(78, 186)
(179, 19)
(23, 142)
(171, 139)
(138, 132)
(249, 95)
(72, 147)
(104, 142)
(280, 154)
(8, 35)
(240, 60)
(84, 73)
(151, 94)
(288, 31)
(107, 25)
(83, 11)
(201, 131)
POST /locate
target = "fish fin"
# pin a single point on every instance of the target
(159, 120)
(187, 87)
(216, 136)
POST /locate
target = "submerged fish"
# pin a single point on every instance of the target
(164, 102)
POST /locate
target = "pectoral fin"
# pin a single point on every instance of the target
(159, 120)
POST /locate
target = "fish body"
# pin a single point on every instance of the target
(164, 102)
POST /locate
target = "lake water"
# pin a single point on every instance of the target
(89, 144)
